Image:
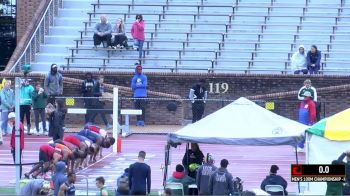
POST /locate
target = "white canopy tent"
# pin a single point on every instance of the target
(240, 123)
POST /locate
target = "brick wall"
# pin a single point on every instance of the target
(25, 12)
(238, 85)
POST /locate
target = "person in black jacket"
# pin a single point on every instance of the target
(274, 179)
(198, 96)
(90, 89)
(192, 160)
(56, 130)
(346, 189)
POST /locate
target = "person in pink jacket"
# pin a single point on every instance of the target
(138, 33)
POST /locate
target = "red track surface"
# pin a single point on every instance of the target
(249, 163)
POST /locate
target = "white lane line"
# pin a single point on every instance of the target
(95, 163)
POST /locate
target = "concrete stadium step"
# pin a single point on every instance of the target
(65, 30)
(69, 21)
(55, 48)
(53, 57)
(73, 12)
(77, 3)
(44, 66)
(62, 39)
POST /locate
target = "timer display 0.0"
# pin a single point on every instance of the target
(317, 173)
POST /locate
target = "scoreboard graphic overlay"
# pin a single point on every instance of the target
(317, 173)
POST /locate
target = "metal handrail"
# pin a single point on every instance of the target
(38, 28)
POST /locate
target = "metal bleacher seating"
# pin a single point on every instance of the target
(244, 36)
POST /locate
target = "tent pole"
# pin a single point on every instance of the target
(167, 149)
(187, 158)
(297, 161)
(307, 147)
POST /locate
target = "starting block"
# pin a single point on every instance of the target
(125, 129)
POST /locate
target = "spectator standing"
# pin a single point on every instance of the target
(102, 33)
(274, 179)
(53, 84)
(139, 87)
(308, 87)
(123, 183)
(138, 33)
(59, 177)
(100, 104)
(68, 188)
(36, 187)
(7, 105)
(11, 118)
(90, 89)
(203, 175)
(192, 160)
(313, 60)
(62, 111)
(39, 97)
(179, 176)
(198, 96)
(335, 188)
(100, 184)
(140, 176)
(221, 181)
(118, 32)
(26, 103)
(298, 61)
(55, 123)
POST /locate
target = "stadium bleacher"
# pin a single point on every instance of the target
(244, 36)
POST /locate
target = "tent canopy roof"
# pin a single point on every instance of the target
(241, 123)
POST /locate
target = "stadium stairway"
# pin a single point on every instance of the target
(246, 36)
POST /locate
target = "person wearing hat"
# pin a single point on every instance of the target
(26, 103)
(12, 121)
(274, 179)
(36, 187)
(53, 84)
(221, 181)
(139, 87)
(203, 174)
(179, 176)
(307, 115)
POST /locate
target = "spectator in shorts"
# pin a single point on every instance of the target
(198, 96)
(36, 187)
(298, 61)
(68, 188)
(138, 33)
(100, 184)
(53, 84)
(274, 179)
(313, 60)
(221, 181)
(102, 33)
(120, 39)
(179, 176)
(7, 105)
(39, 101)
(26, 102)
(192, 160)
(139, 88)
(11, 118)
(140, 176)
(59, 177)
(203, 175)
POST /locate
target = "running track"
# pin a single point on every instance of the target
(249, 163)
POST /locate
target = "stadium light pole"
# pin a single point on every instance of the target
(17, 133)
(115, 118)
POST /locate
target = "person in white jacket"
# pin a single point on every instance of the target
(298, 61)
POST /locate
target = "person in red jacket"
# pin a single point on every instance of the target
(11, 118)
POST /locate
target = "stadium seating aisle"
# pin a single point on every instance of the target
(251, 37)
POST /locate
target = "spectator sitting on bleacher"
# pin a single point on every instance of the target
(298, 61)
(179, 176)
(103, 33)
(313, 60)
(118, 33)
(274, 179)
(138, 33)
